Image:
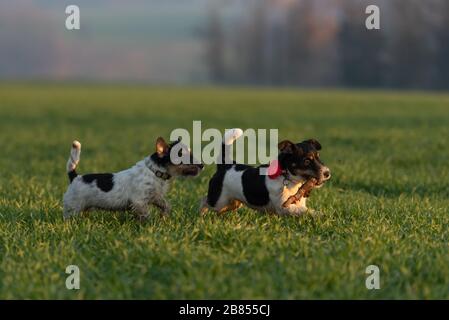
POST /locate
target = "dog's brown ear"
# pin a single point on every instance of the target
(161, 147)
(314, 143)
(286, 146)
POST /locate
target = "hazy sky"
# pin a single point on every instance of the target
(140, 40)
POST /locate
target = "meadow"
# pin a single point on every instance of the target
(386, 204)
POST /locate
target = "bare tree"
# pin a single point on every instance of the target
(252, 40)
(413, 50)
(442, 35)
(325, 42)
(216, 47)
(362, 52)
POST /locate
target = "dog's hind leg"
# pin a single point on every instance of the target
(70, 212)
(140, 211)
(162, 205)
(224, 204)
(204, 207)
(231, 205)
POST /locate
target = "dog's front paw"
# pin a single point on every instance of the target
(166, 211)
(315, 213)
(293, 210)
(299, 213)
(142, 218)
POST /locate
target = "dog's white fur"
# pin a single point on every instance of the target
(135, 188)
(279, 191)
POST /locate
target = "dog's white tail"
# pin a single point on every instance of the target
(229, 137)
(74, 159)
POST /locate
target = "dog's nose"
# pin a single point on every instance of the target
(327, 174)
(201, 166)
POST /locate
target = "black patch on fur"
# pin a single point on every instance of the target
(104, 181)
(254, 188)
(163, 161)
(72, 175)
(216, 184)
(241, 167)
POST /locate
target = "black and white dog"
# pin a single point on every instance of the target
(235, 184)
(136, 188)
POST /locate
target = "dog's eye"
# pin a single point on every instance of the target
(306, 162)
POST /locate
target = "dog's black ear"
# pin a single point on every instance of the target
(286, 146)
(174, 143)
(161, 147)
(314, 143)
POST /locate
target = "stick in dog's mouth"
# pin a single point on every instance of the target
(317, 182)
(303, 191)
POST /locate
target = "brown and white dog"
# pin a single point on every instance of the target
(235, 184)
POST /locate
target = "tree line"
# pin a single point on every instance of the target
(326, 43)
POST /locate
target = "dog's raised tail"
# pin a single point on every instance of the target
(229, 137)
(74, 159)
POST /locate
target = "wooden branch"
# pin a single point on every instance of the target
(303, 191)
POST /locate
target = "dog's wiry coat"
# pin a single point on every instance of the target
(236, 184)
(136, 188)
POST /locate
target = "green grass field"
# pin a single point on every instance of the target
(387, 203)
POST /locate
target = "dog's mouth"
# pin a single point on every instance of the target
(319, 182)
(191, 172)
